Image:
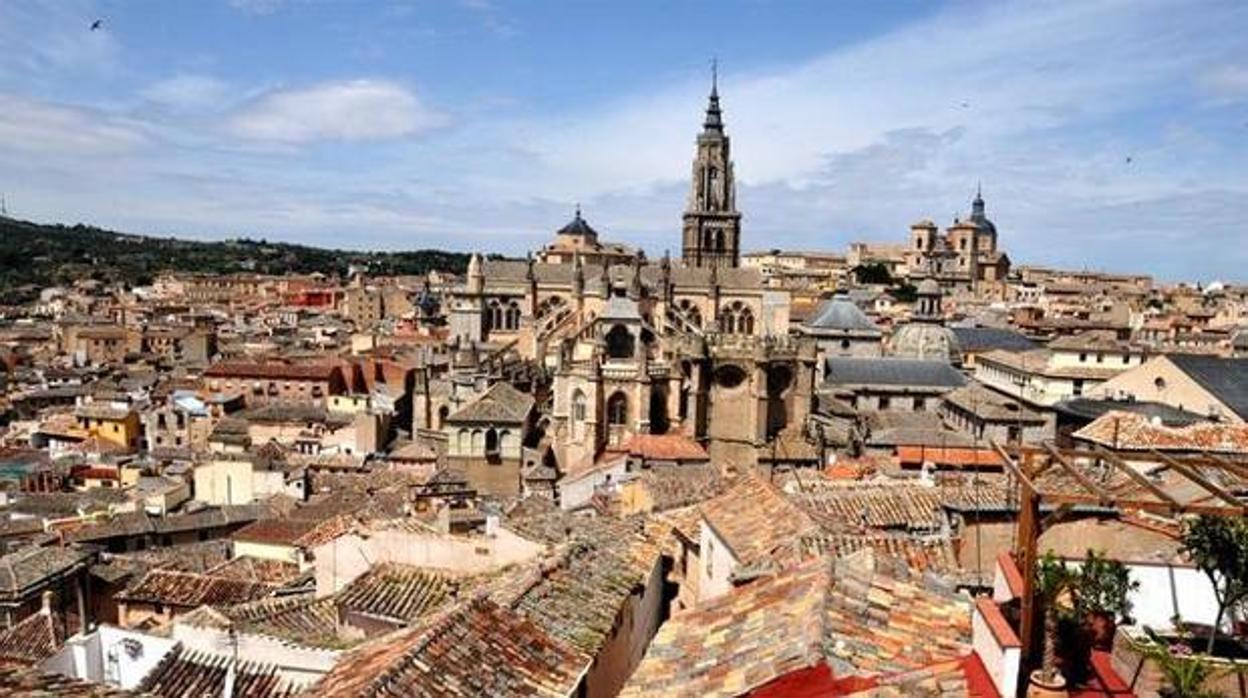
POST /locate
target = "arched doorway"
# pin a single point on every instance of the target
(492, 452)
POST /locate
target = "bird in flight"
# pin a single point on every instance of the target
(1130, 159)
(95, 26)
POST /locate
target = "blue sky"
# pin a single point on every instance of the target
(1107, 134)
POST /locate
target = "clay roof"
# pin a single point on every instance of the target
(31, 682)
(677, 447)
(863, 616)
(26, 567)
(671, 486)
(578, 596)
(851, 507)
(188, 589)
(1129, 431)
(399, 592)
(445, 657)
(186, 672)
(502, 403)
(255, 569)
(272, 370)
(299, 532)
(758, 523)
(33, 639)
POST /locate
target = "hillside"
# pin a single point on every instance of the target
(34, 255)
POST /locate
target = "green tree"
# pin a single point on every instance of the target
(874, 273)
(1218, 545)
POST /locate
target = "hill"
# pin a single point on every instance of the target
(33, 256)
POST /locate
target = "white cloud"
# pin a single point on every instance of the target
(352, 111)
(187, 91)
(1226, 82)
(40, 127)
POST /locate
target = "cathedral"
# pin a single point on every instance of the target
(697, 348)
(964, 258)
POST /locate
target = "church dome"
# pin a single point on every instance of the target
(927, 341)
(578, 227)
(839, 313)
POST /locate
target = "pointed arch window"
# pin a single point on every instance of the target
(737, 319)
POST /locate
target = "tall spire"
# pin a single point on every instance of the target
(977, 206)
(714, 117)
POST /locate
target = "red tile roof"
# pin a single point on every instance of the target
(1129, 431)
(677, 447)
(188, 590)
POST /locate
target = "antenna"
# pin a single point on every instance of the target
(4, 208)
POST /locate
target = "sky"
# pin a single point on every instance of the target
(1106, 134)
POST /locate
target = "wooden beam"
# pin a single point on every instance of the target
(1014, 467)
(1056, 516)
(1200, 480)
(1238, 468)
(1105, 497)
(1140, 478)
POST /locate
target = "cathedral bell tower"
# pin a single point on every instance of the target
(712, 225)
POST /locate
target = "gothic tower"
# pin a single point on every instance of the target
(712, 225)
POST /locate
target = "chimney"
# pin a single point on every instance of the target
(48, 599)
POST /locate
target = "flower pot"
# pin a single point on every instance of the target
(1052, 688)
(1100, 628)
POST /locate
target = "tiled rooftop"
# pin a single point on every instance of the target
(758, 523)
(188, 590)
(863, 616)
(476, 649)
(188, 673)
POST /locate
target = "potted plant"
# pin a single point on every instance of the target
(1102, 588)
(1053, 582)
(1185, 673)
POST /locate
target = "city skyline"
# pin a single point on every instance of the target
(1105, 134)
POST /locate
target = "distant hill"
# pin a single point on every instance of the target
(33, 256)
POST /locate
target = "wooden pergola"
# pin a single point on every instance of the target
(1170, 486)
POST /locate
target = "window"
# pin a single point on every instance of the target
(1083, 357)
(1159, 383)
(737, 319)
(845, 344)
(884, 402)
(617, 409)
(1100, 358)
(1077, 388)
(578, 406)
(920, 404)
(620, 343)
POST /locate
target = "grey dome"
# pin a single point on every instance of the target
(840, 313)
(928, 341)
